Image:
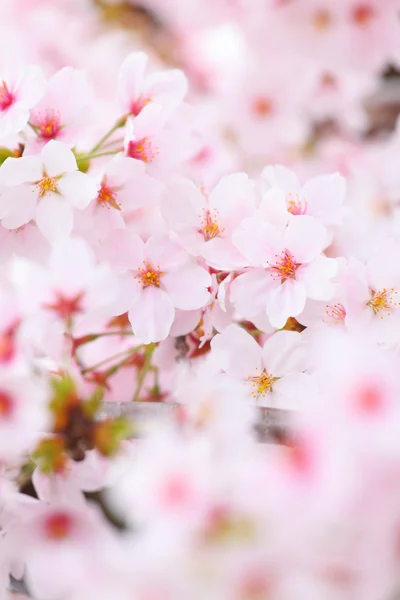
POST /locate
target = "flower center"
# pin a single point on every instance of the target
(285, 267)
(107, 197)
(262, 106)
(148, 276)
(322, 19)
(336, 314)
(209, 225)
(6, 405)
(47, 185)
(58, 526)
(138, 105)
(295, 204)
(262, 383)
(383, 300)
(142, 150)
(362, 14)
(66, 307)
(6, 97)
(49, 124)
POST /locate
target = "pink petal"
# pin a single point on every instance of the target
(316, 277)
(305, 238)
(151, 315)
(281, 177)
(54, 218)
(252, 239)
(187, 287)
(324, 196)
(164, 254)
(149, 121)
(273, 206)
(58, 158)
(239, 352)
(122, 169)
(183, 203)
(167, 87)
(185, 321)
(285, 300)
(283, 353)
(32, 86)
(249, 292)
(130, 78)
(221, 254)
(233, 196)
(124, 250)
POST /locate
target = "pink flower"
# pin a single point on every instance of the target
(274, 374)
(72, 286)
(20, 89)
(205, 222)
(122, 187)
(373, 294)
(159, 144)
(321, 197)
(135, 90)
(23, 409)
(159, 277)
(45, 188)
(289, 265)
(63, 109)
(60, 534)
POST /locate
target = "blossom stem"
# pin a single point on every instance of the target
(89, 156)
(32, 126)
(110, 358)
(120, 123)
(148, 352)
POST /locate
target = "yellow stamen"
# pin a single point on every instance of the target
(383, 300)
(148, 276)
(262, 383)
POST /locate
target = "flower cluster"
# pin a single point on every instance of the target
(144, 263)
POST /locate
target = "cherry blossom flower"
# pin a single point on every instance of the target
(372, 303)
(20, 89)
(59, 532)
(123, 187)
(274, 374)
(23, 408)
(205, 222)
(61, 112)
(135, 90)
(152, 140)
(289, 267)
(159, 277)
(70, 286)
(321, 197)
(45, 188)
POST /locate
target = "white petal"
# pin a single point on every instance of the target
(280, 177)
(282, 353)
(239, 352)
(78, 188)
(15, 171)
(58, 158)
(17, 206)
